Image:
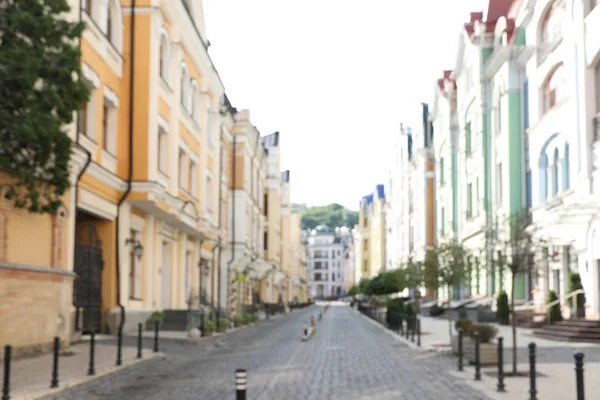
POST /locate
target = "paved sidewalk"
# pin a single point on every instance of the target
(30, 377)
(554, 362)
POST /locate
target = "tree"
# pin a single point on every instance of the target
(353, 291)
(39, 93)
(516, 254)
(364, 286)
(451, 263)
(332, 215)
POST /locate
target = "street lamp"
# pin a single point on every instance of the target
(138, 249)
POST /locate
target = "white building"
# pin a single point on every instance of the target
(325, 262)
(563, 100)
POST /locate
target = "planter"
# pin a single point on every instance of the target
(488, 353)
(454, 343)
(208, 333)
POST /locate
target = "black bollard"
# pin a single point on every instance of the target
(305, 330)
(119, 346)
(412, 330)
(92, 369)
(240, 384)
(6, 381)
(460, 349)
(579, 375)
(55, 349)
(202, 324)
(156, 336)
(419, 332)
(140, 328)
(500, 385)
(407, 326)
(532, 385)
(477, 361)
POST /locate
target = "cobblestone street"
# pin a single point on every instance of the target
(348, 358)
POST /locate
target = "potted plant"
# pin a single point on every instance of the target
(555, 313)
(157, 316)
(465, 324)
(575, 284)
(223, 325)
(488, 351)
(503, 309)
(239, 320)
(209, 328)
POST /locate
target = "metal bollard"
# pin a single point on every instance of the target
(305, 330)
(156, 336)
(419, 332)
(119, 346)
(240, 384)
(92, 369)
(139, 344)
(6, 381)
(532, 384)
(477, 361)
(579, 375)
(460, 349)
(412, 331)
(55, 349)
(407, 326)
(500, 386)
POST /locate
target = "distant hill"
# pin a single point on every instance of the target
(332, 215)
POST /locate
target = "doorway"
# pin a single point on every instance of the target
(166, 276)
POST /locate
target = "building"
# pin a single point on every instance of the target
(349, 265)
(372, 233)
(169, 183)
(325, 263)
(298, 261)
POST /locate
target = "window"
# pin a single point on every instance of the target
(86, 5)
(135, 272)
(192, 100)
(552, 29)
(442, 171)
(468, 138)
(499, 184)
(188, 276)
(565, 168)
(469, 200)
(109, 23)
(555, 171)
(164, 58)
(554, 88)
(266, 241)
(82, 122)
(443, 221)
(266, 205)
(105, 127)
(477, 197)
(114, 24)
(163, 149)
(193, 179)
(182, 169)
(184, 83)
(543, 177)
(208, 194)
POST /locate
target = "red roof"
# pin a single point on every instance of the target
(496, 10)
(447, 77)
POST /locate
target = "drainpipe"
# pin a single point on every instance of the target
(220, 224)
(130, 172)
(79, 176)
(234, 242)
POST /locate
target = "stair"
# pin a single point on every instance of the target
(175, 320)
(530, 319)
(579, 330)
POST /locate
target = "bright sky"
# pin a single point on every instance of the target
(335, 77)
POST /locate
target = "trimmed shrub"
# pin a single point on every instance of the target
(555, 313)
(486, 332)
(465, 324)
(503, 308)
(575, 284)
(223, 325)
(209, 327)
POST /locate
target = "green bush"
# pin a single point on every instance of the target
(353, 291)
(575, 284)
(223, 324)
(555, 313)
(465, 324)
(396, 305)
(409, 309)
(209, 326)
(156, 316)
(486, 332)
(503, 308)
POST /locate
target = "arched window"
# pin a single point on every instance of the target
(555, 165)
(543, 177)
(185, 87)
(164, 57)
(565, 168)
(552, 28)
(193, 95)
(554, 88)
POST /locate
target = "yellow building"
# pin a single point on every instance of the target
(298, 263)
(371, 231)
(243, 261)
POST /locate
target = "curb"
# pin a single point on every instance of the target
(51, 394)
(401, 339)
